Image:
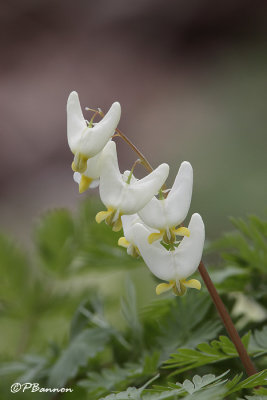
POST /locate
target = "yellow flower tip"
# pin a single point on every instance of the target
(102, 215)
(73, 167)
(155, 236)
(84, 183)
(182, 231)
(117, 226)
(136, 252)
(164, 287)
(79, 163)
(192, 283)
(123, 242)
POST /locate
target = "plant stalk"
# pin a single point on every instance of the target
(143, 159)
(227, 321)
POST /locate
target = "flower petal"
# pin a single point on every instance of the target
(182, 231)
(123, 242)
(155, 236)
(77, 177)
(102, 215)
(159, 260)
(128, 221)
(75, 121)
(94, 166)
(177, 264)
(111, 183)
(85, 140)
(179, 198)
(169, 212)
(84, 184)
(128, 198)
(192, 283)
(150, 185)
(94, 139)
(188, 253)
(164, 287)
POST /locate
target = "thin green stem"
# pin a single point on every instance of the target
(138, 161)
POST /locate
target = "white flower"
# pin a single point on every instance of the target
(90, 177)
(167, 213)
(87, 141)
(177, 265)
(128, 241)
(123, 197)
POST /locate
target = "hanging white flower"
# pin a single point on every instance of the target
(166, 214)
(85, 141)
(125, 196)
(176, 265)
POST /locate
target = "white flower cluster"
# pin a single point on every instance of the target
(151, 218)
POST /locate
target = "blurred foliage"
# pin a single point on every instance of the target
(244, 259)
(118, 345)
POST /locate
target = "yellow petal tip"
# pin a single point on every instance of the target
(84, 183)
(182, 231)
(123, 242)
(101, 216)
(164, 287)
(154, 236)
(192, 283)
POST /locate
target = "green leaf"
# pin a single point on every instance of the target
(198, 382)
(217, 350)
(130, 312)
(81, 349)
(259, 341)
(55, 240)
(251, 382)
(89, 313)
(245, 249)
(15, 273)
(180, 322)
(131, 393)
(118, 378)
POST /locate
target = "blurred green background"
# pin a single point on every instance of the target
(191, 79)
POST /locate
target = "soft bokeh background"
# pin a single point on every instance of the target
(191, 77)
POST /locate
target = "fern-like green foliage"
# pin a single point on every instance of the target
(62, 326)
(244, 252)
(218, 350)
(206, 387)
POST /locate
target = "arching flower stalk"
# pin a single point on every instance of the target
(170, 260)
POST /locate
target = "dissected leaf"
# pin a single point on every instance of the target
(81, 349)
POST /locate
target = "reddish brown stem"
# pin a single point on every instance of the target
(227, 321)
